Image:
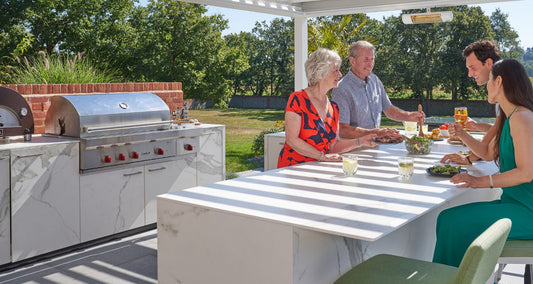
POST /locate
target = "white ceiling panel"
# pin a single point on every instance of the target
(314, 8)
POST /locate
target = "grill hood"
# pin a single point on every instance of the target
(84, 116)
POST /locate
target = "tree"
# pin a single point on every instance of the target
(13, 32)
(425, 57)
(420, 46)
(338, 32)
(469, 25)
(273, 60)
(505, 36)
(240, 62)
(178, 43)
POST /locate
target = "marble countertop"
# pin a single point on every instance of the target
(17, 142)
(318, 197)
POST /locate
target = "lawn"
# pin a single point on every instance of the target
(242, 126)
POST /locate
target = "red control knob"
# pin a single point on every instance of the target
(188, 147)
(107, 159)
(160, 151)
(122, 157)
(135, 155)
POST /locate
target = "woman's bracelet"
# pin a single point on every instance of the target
(321, 156)
(490, 179)
(357, 142)
(468, 159)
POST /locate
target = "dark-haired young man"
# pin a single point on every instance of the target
(479, 56)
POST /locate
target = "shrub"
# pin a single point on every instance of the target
(258, 148)
(59, 69)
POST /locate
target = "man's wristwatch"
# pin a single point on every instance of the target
(468, 159)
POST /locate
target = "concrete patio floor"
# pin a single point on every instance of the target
(131, 259)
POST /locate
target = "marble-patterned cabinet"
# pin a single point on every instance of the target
(165, 177)
(5, 204)
(211, 164)
(45, 208)
(273, 144)
(112, 201)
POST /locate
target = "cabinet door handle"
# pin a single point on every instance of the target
(132, 174)
(157, 169)
(4, 158)
(29, 156)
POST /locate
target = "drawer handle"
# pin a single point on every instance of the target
(29, 156)
(158, 169)
(4, 158)
(132, 174)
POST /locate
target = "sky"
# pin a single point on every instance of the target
(519, 16)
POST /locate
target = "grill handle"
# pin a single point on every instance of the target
(125, 126)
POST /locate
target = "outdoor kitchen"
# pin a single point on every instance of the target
(96, 171)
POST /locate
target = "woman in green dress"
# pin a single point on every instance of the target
(512, 150)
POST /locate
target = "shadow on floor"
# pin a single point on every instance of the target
(127, 260)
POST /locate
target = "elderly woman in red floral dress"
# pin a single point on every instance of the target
(312, 120)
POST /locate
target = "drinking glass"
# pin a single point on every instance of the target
(461, 115)
(410, 127)
(425, 128)
(349, 164)
(405, 167)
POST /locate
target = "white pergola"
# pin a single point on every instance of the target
(300, 10)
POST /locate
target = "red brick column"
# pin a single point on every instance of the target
(38, 95)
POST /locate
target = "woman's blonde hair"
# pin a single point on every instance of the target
(319, 64)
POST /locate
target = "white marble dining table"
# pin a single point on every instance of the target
(307, 223)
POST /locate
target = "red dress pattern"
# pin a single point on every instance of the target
(320, 134)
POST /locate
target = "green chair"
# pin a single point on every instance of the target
(477, 264)
(516, 252)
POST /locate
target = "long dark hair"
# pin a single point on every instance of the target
(516, 87)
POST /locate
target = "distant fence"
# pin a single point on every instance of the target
(431, 108)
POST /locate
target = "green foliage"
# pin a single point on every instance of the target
(425, 57)
(272, 58)
(58, 69)
(258, 148)
(169, 40)
(19, 51)
(178, 43)
(338, 32)
(505, 36)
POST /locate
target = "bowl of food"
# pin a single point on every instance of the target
(418, 145)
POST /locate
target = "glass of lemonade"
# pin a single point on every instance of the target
(410, 127)
(461, 115)
(349, 164)
(425, 128)
(405, 167)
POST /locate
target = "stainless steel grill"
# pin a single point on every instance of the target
(115, 129)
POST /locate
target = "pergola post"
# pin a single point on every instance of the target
(300, 51)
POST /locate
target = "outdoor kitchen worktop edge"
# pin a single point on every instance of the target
(17, 142)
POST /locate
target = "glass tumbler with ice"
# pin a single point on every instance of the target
(349, 164)
(405, 167)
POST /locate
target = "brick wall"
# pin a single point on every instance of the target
(38, 95)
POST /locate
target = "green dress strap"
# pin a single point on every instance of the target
(516, 107)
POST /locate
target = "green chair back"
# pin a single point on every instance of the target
(480, 259)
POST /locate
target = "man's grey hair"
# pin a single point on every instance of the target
(319, 64)
(354, 48)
